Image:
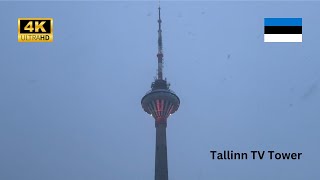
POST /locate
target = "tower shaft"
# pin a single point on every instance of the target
(161, 162)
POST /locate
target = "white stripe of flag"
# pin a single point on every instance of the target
(282, 37)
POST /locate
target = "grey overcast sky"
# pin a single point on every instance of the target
(70, 110)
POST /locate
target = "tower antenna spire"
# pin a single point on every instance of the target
(160, 52)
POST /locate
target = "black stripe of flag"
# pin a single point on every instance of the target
(283, 30)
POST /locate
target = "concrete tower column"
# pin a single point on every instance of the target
(161, 162)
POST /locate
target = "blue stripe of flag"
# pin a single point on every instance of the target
(282, 21)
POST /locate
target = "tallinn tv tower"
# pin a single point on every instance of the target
(160, 102)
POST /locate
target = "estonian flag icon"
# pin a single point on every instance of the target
(282, 29)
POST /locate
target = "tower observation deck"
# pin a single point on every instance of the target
(160, 102)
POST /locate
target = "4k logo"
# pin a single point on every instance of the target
(35, 29)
